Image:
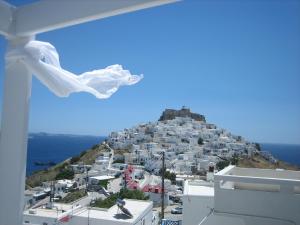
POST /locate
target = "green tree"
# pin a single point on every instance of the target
(235, 159)
(65, 174)
(200, 141)
(103, 183)
(170, 176)
(257, 145)
(119, 161)
(72, 196)
(124, 193)
(74, 159)
(222, 164)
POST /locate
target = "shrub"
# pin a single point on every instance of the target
(124, 193)
(235, 159)
(170, 176)
(257, 145)
(95, 146)
(74, 159)
(119, 161)
(65, 174)
(82, 153)
(103, 183)
(222, 164)
(200, 141)
(73, 196)
(133, 194)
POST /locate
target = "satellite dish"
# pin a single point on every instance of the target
(120, 204)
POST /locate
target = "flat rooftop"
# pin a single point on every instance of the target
(260, 173)
(57, 210)
(102, 177)
(199, 188)
(137, 208)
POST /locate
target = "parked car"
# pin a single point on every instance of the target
(177, 210)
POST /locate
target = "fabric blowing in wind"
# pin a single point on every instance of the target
(43, 60)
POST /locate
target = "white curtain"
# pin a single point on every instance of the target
(43, 60)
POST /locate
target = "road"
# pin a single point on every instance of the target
(168, 214)
(111, 159)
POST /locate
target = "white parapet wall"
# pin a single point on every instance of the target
(271, 195)
(198, 200)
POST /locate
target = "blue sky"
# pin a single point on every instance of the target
(236, 62)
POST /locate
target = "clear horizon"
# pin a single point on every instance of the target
(103, 136)
(235, 62)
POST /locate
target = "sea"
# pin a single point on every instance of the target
(44, 149)
(285, 152)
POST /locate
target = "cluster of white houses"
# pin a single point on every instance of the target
(231, 196)
(189, 145)
(235, 196)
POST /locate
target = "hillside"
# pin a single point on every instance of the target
(87, 157)
(185, 137)
(258, 161)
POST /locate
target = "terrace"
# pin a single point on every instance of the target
(251, 192)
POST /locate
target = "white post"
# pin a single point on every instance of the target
(13, 140)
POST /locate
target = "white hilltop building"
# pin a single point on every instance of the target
(244, 196)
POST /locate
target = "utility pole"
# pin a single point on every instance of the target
(163, 187)
(51, 191)
(86, 179)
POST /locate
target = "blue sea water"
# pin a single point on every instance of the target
(55, 148)
(285, 152)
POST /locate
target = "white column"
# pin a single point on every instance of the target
(13, 140)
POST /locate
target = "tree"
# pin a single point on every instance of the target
(103, 183)
(119, 161)
(222, 164)
(124, 193)
(72, 196)
(95, 146)
(257, 145)
(82, 153)
(170, 176)
(65, 174)
(200, 141)
(74, 159)
(133, 194)
(235, 159)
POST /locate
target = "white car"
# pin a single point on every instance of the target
(177, 210)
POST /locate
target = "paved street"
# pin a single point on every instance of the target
(168, 214)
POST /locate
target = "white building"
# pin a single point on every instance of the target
(76, 215)
(198, 198)
(101, 163)
(246, 196)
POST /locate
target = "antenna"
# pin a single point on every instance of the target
(163, 186)
(86, 179)
(51, 191)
